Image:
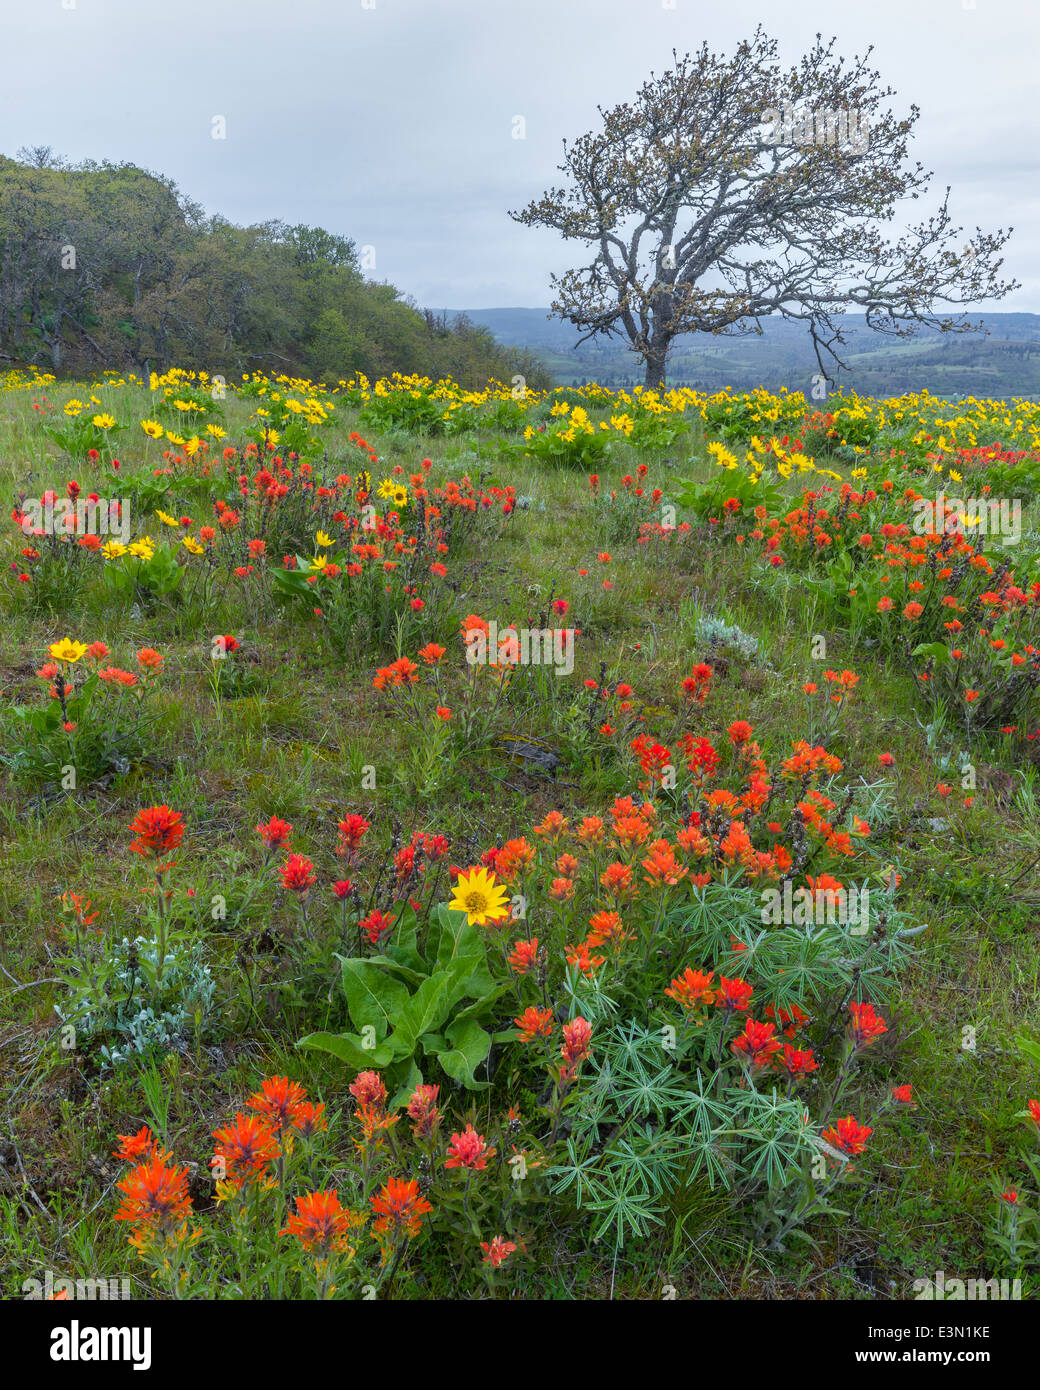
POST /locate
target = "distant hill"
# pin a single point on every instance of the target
(1006, 363)
(109, 266)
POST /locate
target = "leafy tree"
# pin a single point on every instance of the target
(730, 190)
(108, 265)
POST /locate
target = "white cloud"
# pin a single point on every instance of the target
(392, 124)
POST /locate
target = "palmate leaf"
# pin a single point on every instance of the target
(716, 912)
(778, 1133)
(701, 1108)
(580, 1171)
(709, 1154)
(624, 1209)
(655, 1159)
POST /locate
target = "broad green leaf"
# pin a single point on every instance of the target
(348, 1048)
(470, 1046)
(374, 998)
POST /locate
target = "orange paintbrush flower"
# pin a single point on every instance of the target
(155, 1199)
(278, 1100)
(693, 989)
(246, 1148)
(157, 830)
(322, 1225)
(399, 1208)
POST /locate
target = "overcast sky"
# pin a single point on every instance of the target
(391, 121)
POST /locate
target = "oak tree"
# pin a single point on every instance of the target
(731, 189)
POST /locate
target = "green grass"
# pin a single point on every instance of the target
(298, 746)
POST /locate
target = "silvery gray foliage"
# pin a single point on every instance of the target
(133, 1014)
(717, 636)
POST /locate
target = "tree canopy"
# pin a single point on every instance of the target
(731, 189)
(108, 265)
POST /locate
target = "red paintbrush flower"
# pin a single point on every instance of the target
(865, 1025)
(352, 830)
(157, 830)
(321, 1224)
(848, 1135)
(278, 1100)
(399, 1209)
(275, 834)
(155, 1199)
(246, 1149)
(297, 874)
(422, 1110)
(756, 1044)
(733, 994)
(798, 1061)
(577, 1043)
(497, 1251)
(468, 1150)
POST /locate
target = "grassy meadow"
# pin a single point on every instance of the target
(745, 697)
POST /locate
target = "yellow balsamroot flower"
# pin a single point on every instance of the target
(113, 550)
(319, 562)
(323, 540)
(167, 519)
(399, 497)
(859, 473)
(193, 445)
(152, 429)
(144, 549)
(955, 476)
(174, 438)
(185, 405)
(722, 455)
(67, 650)
(480, 897)
(560, 408)
(73, 408)
(216, 432)
(103, 422)
(192, 546)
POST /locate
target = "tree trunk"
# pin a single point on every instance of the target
(656, 365)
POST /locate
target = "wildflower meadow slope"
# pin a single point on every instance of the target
(463, 844)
